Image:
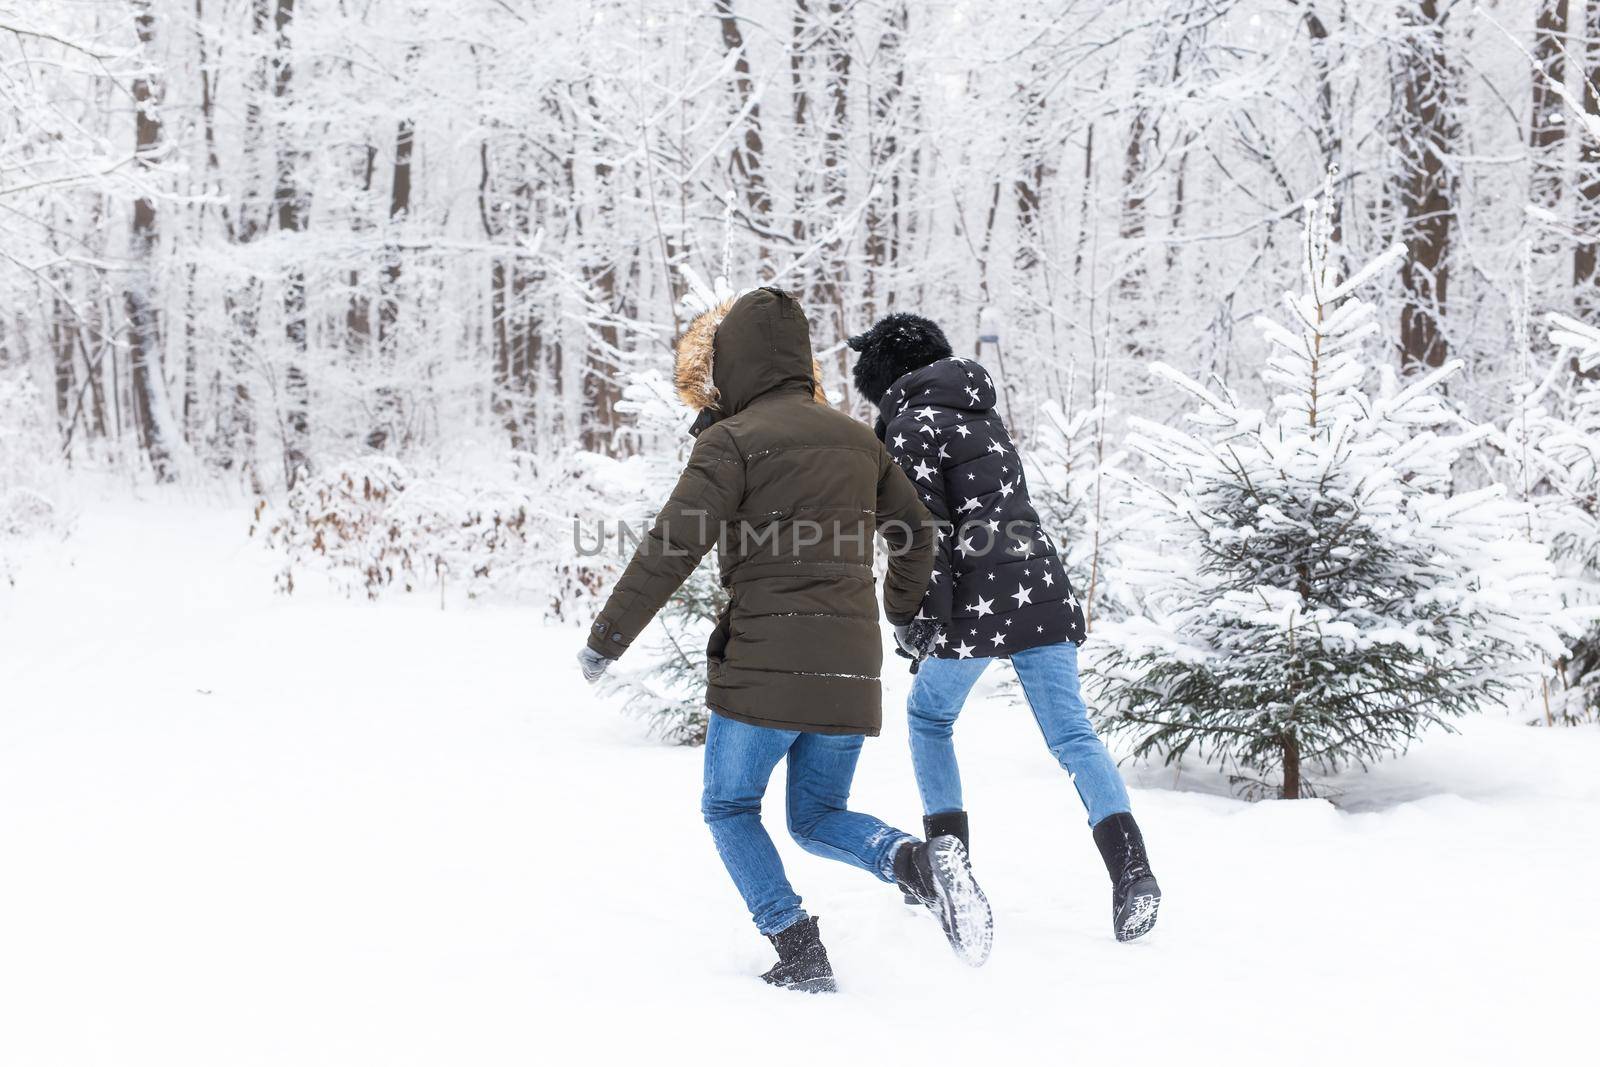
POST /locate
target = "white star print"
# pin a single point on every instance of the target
(970, 504)
(994, 527)
(899, 440)
(1049, 579)
(963, 431)
(998, 640)
(926, 413)
(1007, 488)
(930, 431)
(940, 640)
(983, 607)
(1023, 595)
(944, 453)
(964, 651)
(1023, 546)
(964, 546)
(923, 470)
(997, 448)
(935, 575)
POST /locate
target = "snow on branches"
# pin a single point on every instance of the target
(1549, 446)
(369, 523)
(1316, 592)
(662, 681)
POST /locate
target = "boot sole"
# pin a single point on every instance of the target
(1137, 916)
(815, 985)
(964, 911)
(806, 985)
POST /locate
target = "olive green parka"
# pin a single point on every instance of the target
(790, 492)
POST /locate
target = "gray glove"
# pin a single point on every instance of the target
(593, 664)
(916, 639)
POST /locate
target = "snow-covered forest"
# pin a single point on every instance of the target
(443, 249)
(244, 236)
(1294, 311)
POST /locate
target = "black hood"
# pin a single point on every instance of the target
(953, 383)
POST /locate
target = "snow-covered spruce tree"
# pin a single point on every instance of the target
(1316, 594)
(668, 690)
(1071, 470)
(1552, 442)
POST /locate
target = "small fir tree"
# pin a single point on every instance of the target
(1551, 441)
(667, 690)
(1071, 475)
(1316, 595)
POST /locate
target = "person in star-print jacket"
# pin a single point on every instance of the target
(998, 591)
(998, 586)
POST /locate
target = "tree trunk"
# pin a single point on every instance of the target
(800, 113)
(1132, 323)
(746, 160)
(602, 387)
(388, 409)
(507, 368)
(883, 142)
(837, 44)
(63, 344)
(1290, 745)
(1424, 135)
(292, 210)
(1586, 298)
(144, 346)
(1546, 125)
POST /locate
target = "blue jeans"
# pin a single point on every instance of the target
(739, 761)
(1049, 677)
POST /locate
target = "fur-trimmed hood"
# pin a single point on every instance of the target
(743, 349)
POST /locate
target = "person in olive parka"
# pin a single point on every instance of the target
(791, 492)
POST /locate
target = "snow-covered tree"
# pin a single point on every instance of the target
(663, 681)
(1071, 468)
(1317, 592)
(1551, 445)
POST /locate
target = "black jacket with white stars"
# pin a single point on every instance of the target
(998, 585)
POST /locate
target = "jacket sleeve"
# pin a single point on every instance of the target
(707, 494)
(917, 453)
(910, 533)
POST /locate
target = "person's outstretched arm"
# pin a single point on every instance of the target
(707, 494)
(917, 454)
(909, 530)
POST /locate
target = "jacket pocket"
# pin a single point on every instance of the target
(717, 645)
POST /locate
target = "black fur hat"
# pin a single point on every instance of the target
(895, 346)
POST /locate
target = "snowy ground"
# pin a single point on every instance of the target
(237, 829)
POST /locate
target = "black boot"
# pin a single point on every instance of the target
(802, 961)
(938, 875)
(953, 823)
(1135, 896)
